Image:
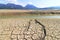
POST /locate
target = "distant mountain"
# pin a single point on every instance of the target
(51, 8)
(2, 6)
(55, 7)
(10, 6)
(29, 6)
(14, 6)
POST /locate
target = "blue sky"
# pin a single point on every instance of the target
(37, 3)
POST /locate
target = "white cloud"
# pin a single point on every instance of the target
(12, 1)
(30, 3)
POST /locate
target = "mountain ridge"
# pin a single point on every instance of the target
(28, 6)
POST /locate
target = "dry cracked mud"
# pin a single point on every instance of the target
(29, 29)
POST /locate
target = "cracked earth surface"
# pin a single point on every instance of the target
(29, 29)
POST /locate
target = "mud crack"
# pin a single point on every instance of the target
(42, 27)
(29, 32)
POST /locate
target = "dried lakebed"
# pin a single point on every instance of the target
(30, 29)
